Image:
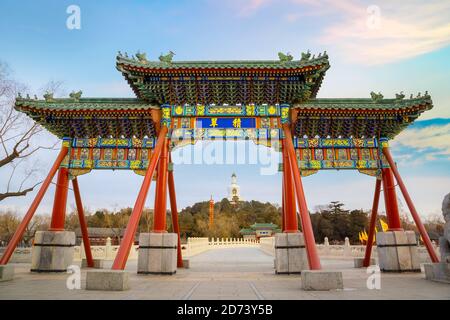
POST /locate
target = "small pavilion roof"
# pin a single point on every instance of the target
(264, 226)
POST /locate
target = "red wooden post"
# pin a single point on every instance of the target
(290, 210)
(411, 207)
(83, 225)
(128, 238)
(159, 221)
(373, 221)
(60, 201)
(37, 200)
(174, 211)
(305, 219)
(283, 206)
(390, 200)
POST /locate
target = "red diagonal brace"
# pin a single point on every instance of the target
(128, 238)
(411, 207)
(174, 211)
(83, 225)
(373, 220)
(305, 219)
(34, 205)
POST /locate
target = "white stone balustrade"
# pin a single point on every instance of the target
(345, 251)
(196, 246)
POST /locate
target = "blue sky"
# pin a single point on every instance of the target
(401, 46)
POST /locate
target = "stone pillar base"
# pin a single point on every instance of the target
(358, 262)
(320, 280)
(439, 272)
(52, 251)
(6, 272)
(397, 251)
(98, 263)
(107, 280)
(157, 253)
(290, 253)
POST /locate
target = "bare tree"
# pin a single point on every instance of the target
(19, 137)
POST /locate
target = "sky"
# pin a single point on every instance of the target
(382, 46)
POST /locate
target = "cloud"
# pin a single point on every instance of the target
(432, 141)
(246, 8)
(366, 33)
(387, 33)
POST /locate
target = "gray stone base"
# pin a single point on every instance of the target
(52, 251)
(107, 280)
(319, 280)
(444, 247)
(157, 253)
(397, 251)
(186, 263)
(358, 262)
(290, 253)
(6, 272)
(439, 272)
(98, 263)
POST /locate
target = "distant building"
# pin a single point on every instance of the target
(234, 191)
(260, 230)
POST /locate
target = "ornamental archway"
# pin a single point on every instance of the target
(270, 102)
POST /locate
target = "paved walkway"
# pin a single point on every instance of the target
(227, 273)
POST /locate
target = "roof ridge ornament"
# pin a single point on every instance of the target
(75, 96)
(305, 56)
(376, 97)
(142, 57)
(285, 57)
(167, 58)
(48, 96)
(399, 96)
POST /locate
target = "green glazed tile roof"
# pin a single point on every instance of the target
(247, 231)
(366, 103)
(227, 64)
(267, 81)
(264, 225)
(84, 104)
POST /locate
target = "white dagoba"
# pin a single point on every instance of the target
(234, 190)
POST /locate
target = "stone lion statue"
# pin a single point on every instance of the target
(444, 242)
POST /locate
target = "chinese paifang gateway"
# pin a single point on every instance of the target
(270, 102)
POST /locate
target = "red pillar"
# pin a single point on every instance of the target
(423, 232)
(83, 225)
(283, 206)
(174, 211)
(60, 201)
(37, 200)
(305, 219)
(133, 222)
(373, 221)
(159, 221)
(290, 214)
(390, 200)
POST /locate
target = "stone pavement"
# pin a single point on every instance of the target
(226, 273)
